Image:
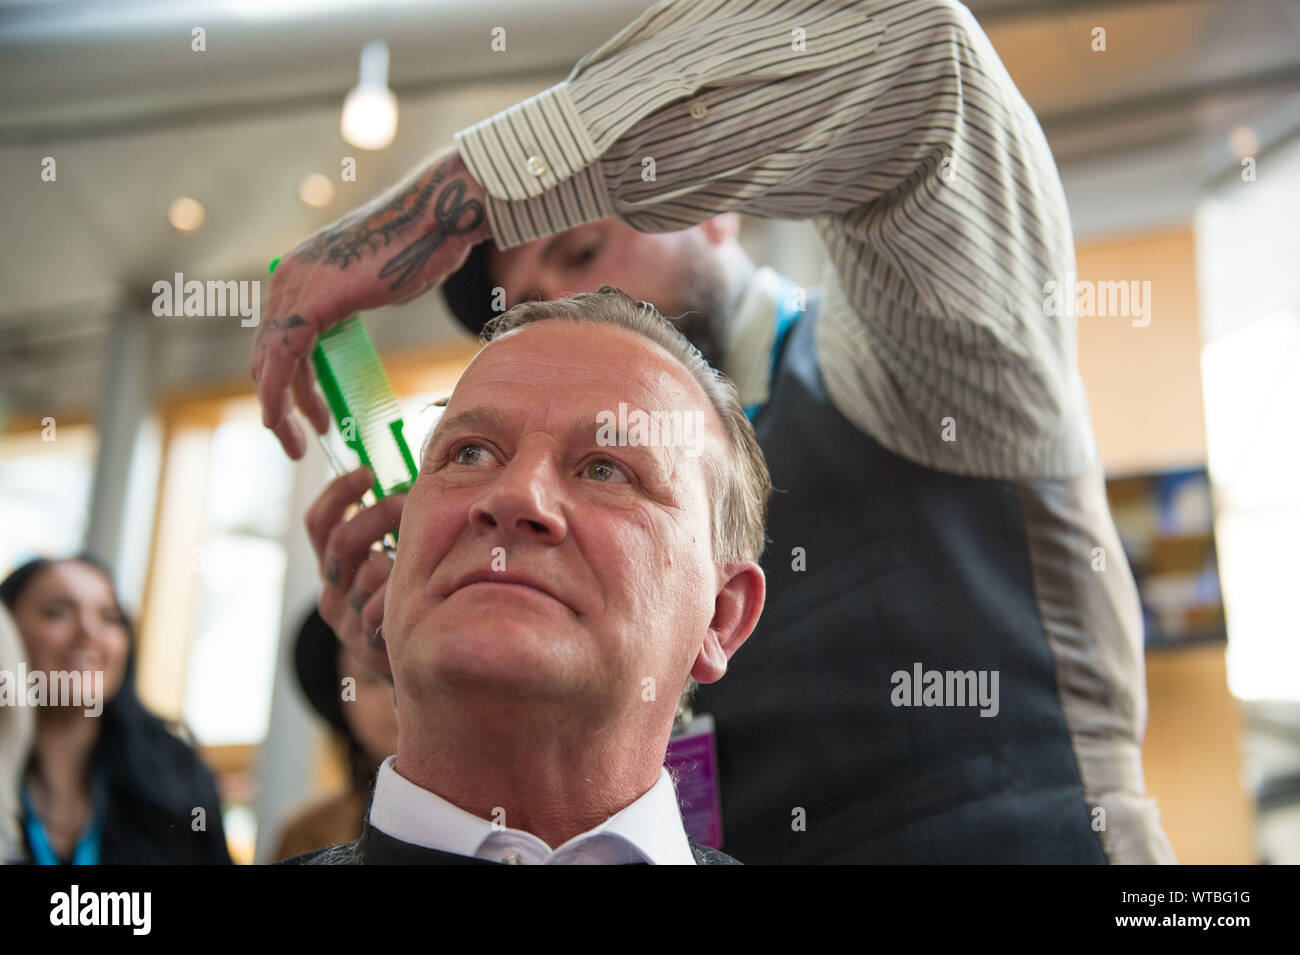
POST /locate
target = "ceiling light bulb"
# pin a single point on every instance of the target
(370, 111)
(185, 214)
(1243, 142)
(316, 190)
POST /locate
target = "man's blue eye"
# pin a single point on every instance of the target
(607, 469)
(460, 456)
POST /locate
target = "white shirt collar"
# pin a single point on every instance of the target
(750, 332)
(649, 830)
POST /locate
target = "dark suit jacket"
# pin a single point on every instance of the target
(379, 848)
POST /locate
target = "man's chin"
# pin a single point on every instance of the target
(506, 660)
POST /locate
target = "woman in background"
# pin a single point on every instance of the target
(363, 719)
(15, 742)
(115, 788)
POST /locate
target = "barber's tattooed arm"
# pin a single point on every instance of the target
(373, 229)
(406, 225)
(391, 250)
(455, 216)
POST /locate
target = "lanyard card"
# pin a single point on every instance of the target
(693, 759)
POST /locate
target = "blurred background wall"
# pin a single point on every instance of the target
(1175, 128)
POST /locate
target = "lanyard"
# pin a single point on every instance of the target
(88, 845)
(786, 313)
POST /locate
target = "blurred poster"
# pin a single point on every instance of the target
(1165, 520)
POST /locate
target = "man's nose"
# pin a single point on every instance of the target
(524, 499)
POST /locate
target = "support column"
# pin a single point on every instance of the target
(124, 407)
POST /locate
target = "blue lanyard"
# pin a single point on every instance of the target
(786, 313)
(88, 846)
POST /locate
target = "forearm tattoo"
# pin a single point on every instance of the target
(343, 242)
(448, 214)
(371, 230)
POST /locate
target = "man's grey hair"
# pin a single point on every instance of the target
(738, 486)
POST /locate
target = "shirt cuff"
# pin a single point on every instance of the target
(538, 166)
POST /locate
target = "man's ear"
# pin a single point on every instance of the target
(721, 228)
(736, 610)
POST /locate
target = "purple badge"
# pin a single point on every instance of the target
(692, 758)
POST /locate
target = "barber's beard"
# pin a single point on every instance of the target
(702, 299)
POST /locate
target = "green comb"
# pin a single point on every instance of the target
(362, 402)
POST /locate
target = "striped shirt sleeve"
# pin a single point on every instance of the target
(894, 127)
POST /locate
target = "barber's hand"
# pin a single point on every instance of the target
(391, 250)
(354, 573)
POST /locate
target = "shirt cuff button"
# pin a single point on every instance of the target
(536, 165)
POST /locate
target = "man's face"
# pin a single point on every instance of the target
(535, 564)
(677, 272)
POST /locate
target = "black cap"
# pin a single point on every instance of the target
(468, 291)
(315, 658)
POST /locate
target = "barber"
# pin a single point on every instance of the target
(940, 497)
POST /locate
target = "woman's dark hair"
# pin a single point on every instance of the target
(315, 658)
(150, 765)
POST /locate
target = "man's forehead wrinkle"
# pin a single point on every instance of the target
(536, 362)
(642, 382)
(510, 355)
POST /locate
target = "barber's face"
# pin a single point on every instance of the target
(535, 564)
(604, 252)
(679, 273)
